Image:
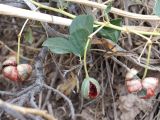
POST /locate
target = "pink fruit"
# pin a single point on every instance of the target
(24, 71)
(134, 85)
(16, 73)
(132, 82)
(149, 84)
(11, 61)
(11, 73)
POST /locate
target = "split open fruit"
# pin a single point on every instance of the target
(90, 88)
(15, 72)
(146, 87)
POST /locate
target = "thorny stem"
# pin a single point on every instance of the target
(86, 48)
(19, 41)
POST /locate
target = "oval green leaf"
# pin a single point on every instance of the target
(110, 33)
(82, 22)
(58, 45)
(78, 39)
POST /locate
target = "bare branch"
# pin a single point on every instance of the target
(25, 110)
(22, 13)
(116, 11)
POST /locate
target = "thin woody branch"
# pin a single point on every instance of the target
(25, 110)
(116, 11)
(23, 13)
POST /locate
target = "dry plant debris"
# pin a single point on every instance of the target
(130, 106)
(81, 49)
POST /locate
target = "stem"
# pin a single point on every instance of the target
(148, 60)
(86, 48)
(19, 41)
(148, 39)
(115, 10)
(96, 22)
(149, 43)
(85, 57)
(53, 9)
(125, 29)
(139, 58)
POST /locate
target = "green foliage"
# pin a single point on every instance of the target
(78, 39)
(28, 36)
(110, 33)
(80, 29)
(58, 45)
(156, 8)
(82, 22)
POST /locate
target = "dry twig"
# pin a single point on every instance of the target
(116, 11)
(25, 110)
(18, 12)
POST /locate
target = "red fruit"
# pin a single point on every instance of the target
(24, 71)
(16, 73)
(149, 93)
(11, 61)
(11, 73)
(93, 91)
(149, 84)
(90, 88)
(132, 82)
(133, 85)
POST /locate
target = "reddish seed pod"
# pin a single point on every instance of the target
(149, 93)
(149, 84)
(145, 88)
(11, 61)
(13, 72)
(90, 88)
(132, 82)
(134, 85)
(24, 71)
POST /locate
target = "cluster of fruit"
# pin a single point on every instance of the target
(15, 72)
(147, 86)
(90, 87)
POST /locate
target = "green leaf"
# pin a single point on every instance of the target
(78, 39)
(110, 33)
(75, 44)
(80, 29)
(156, 8)
(58, 45)
(108, 8)
(82, 22)
(28, 36)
